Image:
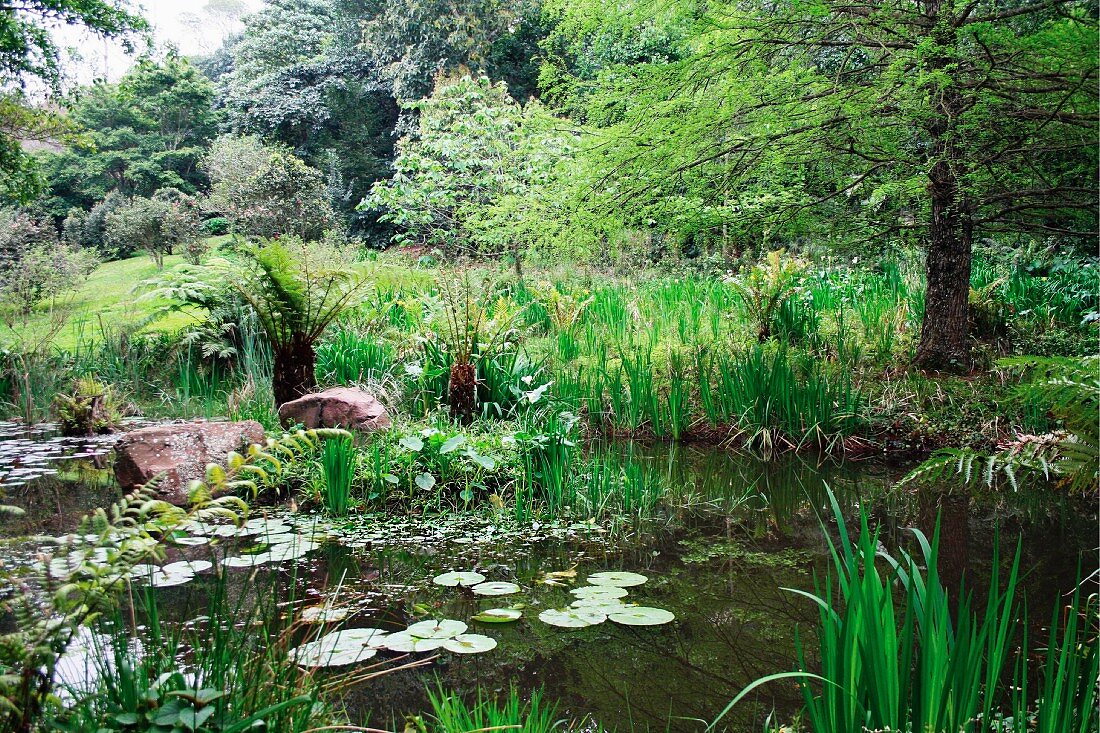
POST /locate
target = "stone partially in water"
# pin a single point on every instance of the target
(181, 451)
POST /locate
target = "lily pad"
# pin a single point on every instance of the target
(496, 588)
(498, 615)
(444, 628)
(458, 578)
(572, 618)
(620, 579)
(194, 566)
(324, 614)
(599, 591)
(405, 642)
(470, 644)
(603, 605)
(641, 616)
(340, 648)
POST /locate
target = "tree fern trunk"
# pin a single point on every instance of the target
(462, 392)
(294, 370)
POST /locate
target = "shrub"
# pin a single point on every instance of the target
(216, 227)
(156, 224)
(267, 191)
(91, 408)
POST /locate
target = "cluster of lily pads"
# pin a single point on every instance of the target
(350, 646)
(31, 452)
(602, 600)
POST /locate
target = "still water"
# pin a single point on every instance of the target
(735, 533)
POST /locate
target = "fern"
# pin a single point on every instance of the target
(1069, 456)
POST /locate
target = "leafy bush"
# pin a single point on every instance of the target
(216, 226)
(90, 408)
(168, 219)
(34, 266)
(766, 286)
(266, 191)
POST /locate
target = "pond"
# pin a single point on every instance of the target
(734, 534)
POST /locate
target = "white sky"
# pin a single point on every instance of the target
(96, 59)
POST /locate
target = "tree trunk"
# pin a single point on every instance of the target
(944, 341)
(294, 370)
(462, 392)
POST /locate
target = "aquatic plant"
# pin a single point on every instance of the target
(338, 462)
(90, 408)
(92, 565)
(237, 675)
(922, 666)
(450, 714)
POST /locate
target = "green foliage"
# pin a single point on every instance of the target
(297, 289)
(338, 462)
(1070, 456)
(476, 160)
(266, 191)
(157, 225)
(145, 133)
(34, 267)
(29, 53)
(921, 666)
(237, 678)
(451, 714)
(92, 407)
(300, 76)
(766, 287)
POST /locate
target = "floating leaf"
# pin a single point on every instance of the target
(572, 618)
(339, 648)
(497, 588)
(599, 591)
(444, 628)
(324, 614)
(405, 642)
(458, 578)
(192, 567)
(470, 644)
(498, 615)
(603, 605)
(641, 616)
(619, 579)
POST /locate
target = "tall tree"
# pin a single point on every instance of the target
(146, 133)
(28, 53)
(944, 119)
(299, 78)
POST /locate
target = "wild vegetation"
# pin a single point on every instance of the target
(539, 234)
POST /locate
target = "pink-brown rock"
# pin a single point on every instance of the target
(338, 407)
(181, 451)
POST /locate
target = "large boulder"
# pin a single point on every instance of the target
(338, 407)
(181, 451)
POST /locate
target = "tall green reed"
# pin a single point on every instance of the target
(338, 461)
(915, 664)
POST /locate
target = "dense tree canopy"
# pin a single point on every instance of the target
(937, 119)
(145, 133)
(28, 53)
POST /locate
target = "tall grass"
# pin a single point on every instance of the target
(338, 461)
(236, 655)
(914, 664)
(451, 714)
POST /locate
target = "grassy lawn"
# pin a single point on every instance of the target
(107, 301)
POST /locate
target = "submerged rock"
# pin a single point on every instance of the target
(181, 451)
(338, 407)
